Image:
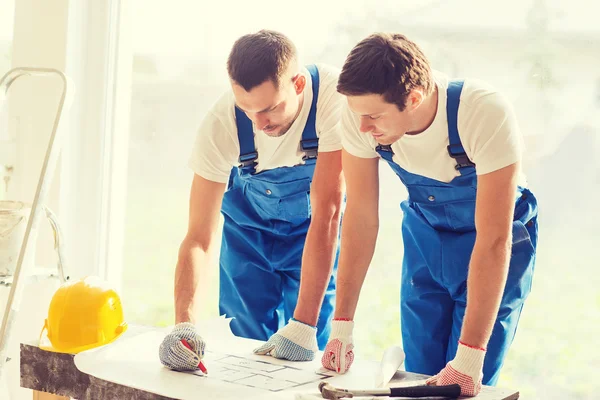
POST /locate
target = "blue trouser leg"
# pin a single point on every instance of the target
(252, 297)
(426, 306)
(262, 299)
(250, 290)
(426, 318)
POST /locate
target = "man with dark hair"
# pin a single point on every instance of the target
(268, 156)
(469, 226)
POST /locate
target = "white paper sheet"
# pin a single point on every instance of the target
(258, 374)
(234, 371)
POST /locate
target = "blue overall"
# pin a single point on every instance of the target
(267, 216)
(438, 231)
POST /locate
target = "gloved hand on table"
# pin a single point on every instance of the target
(296, 341)
(175, 355)
(339, 355)
(466, 369)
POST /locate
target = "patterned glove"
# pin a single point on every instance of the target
(339, 355)
(175, 355)
(296, 341)
(466, 369)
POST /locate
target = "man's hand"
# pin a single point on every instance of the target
(466, 369)
(339, 355)
(175, 355)
(296, 341)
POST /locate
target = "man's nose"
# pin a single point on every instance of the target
(365, 126)
(260, 120)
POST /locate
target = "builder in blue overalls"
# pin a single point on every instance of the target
(268, 157)
(469, 226)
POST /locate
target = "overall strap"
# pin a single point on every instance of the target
(245, 132)
(455, 148)
(310, 142)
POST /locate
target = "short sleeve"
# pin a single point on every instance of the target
(492, 134)
(353, 141)
(214, 152)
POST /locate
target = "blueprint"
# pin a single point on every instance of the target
(257, 374)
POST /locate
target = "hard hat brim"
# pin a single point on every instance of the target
(47, 345)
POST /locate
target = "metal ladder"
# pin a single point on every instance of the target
(37, 209)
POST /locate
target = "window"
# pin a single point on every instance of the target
(178, 72)
(542, 54)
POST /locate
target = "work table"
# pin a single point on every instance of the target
(57, 375)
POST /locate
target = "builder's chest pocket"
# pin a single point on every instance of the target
(295, 205)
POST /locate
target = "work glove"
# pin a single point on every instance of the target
(296, 341)
(466, 369)
(174, 354)
(339, 355)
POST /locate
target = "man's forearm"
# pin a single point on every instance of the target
(359, 234)
(317, 264)
(485, 285)
(192, 262)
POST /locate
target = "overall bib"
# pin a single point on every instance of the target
(267, 216)
(438, 231)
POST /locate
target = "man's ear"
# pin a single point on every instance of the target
(415, 99)
(299, 83)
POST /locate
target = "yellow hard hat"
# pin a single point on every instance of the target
(82, 315)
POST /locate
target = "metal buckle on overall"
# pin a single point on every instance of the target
(462, 160)
(248, 160)
(463, 165)
(384, 147)
(310, 147)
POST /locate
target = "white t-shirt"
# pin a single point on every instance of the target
(217, 147)
(487, 127)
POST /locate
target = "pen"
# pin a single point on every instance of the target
(200, 365)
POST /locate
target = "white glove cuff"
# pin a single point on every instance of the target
(300, 333)
(468, 360)
(341, 329)
(184, 326)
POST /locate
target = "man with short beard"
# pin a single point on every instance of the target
(268, 156)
